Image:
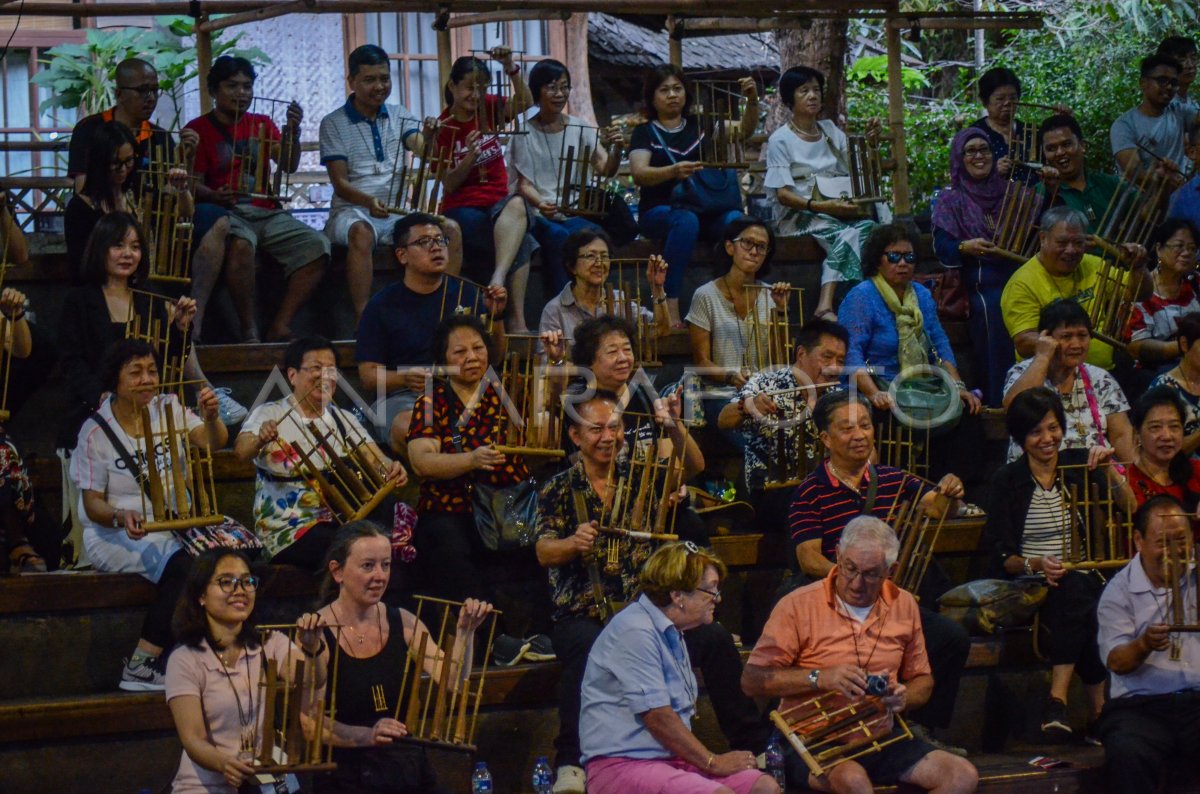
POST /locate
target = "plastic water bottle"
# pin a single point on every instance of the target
(481, 781)
(775, 762)
(542, 776)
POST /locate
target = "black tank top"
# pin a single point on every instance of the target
(367, 689)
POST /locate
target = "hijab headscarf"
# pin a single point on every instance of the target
(962, 210)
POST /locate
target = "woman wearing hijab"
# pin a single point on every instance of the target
(964, 222)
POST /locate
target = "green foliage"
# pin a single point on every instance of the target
(873, 68)
(82, 75)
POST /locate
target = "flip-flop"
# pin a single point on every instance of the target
(27, 560)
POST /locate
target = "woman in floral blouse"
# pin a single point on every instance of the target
(455, 426)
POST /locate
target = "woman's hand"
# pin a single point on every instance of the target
(555, 345)
(1098, 455)
(1045, 347)
(236, 772)
(309, 633)
(736, 378)
(896, 698)
(1004, 165)
(495, 300)
(504, 56)
(977, 247)
(667, 409)
(656, 273)
(385, 730)
(1052, 569)
(611, 136)
(486, 458)
(548, 209)
(779, 294)
(951, 487)
(472, 614)
(396, 473)
(685, 168)
(132, 521)
(881, 400)
(12, 303)
(471, 148)
(268, 431)
(731, 763)
(208, 404)
(971, 402)
(838, 208)
(748, 88)
(185, 312)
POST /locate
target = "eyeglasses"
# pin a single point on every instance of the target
(317, 369)
(1185, 248)
(428, 243)
(557, 88)
(977, 152)
(752, 246)
(1164, 81)
(230, 583)
(894, 257)
(716, 594)
(593, 258)
(1003, 99)
(852, 572)
(126, 163)
(141, 90)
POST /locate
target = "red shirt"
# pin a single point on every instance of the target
(475, 192)
(1144, 487)
(218, 143)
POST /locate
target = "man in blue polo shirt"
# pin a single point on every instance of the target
(1185, 202)
(362, 144)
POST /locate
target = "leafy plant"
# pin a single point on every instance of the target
(83, 75)
(873, 68)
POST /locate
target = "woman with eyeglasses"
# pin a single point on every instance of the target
(1000, 93)
(639, 692)
(111, 166)
(664, 152)
(1027, 530)
(213, 675)
(107, 467)
(586, 258)
(537, 162)
(964, 223)
(892, 320)
(1152, 332)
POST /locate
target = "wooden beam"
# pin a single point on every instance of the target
(727, 26)
(203, 66)
(967, 22)
(675, 42)
(445, 45)
(901, 200)
(257, 15)
(489, 17)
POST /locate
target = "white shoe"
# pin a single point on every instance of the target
(569, 780)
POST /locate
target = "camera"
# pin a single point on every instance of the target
(877, 685)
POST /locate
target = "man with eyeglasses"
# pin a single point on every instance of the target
(569, 509)
(394, 348)
(1182, 49)
(827, 637)
(1151, 134)
(136, 93)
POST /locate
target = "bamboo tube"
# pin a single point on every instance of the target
(482, 677)
(645, 484)
(354, 489)
(330, 495)
(157, 504)
(443, 692)
(268, 725)
(414, 695)
(781, 724)
(175, 464)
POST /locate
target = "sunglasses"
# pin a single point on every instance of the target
(894, 257)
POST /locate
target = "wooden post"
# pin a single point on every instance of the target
(675, 42)
(203, 65)
(443, 47)
(901, 201)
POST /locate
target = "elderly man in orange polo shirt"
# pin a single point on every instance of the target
(829, 636)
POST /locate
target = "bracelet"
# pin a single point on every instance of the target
(711, 758)
(1028, 567)
(16, 318)
(558, 363)
(513, 71)
(316, 653)
(659, 301)
(808, 205)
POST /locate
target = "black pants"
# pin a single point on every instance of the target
(710, 648)
(1069, 617)
(156, 627)
(309, 551)
(1143, 734)
(947, 644)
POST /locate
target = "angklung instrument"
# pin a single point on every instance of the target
(769, 327)
(8, 330)
(250, 161)
(492, 118)
(828, 729)
(717, 107)
(535, 419)
(158, 329)
(416, 184)
(1015, 224)
(179, 490)
(165, 212)
(1096, 532)
(441, 709)
(918, 533)
(289, 695)
(454, 291)
(865, 168)
(582, 188)
(795, 445)
(902, 446)
(1182, 611)
(626, 294)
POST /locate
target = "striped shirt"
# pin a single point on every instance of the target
(822, 505)
(369, 147)
(1044, 522)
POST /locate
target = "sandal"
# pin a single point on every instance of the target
(26, 560)
(823, 313)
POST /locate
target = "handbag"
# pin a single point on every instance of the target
(985, 605)
(229, 534)
(505, 516)
(711, 191)
(925, 399)
(949, 293)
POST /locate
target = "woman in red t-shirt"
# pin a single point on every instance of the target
(1161, 465)
(495, 225)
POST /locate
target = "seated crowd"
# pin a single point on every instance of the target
(632, 609)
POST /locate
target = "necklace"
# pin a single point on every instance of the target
(809, 135)
(843, 479)
(682, 123)
(1191, 385)
(360, 637)
(844, 610)
(248, 719)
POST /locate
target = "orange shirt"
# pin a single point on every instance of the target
(811, 630)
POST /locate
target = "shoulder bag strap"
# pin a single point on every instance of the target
(123, 452)
(662, 143)
(872, 487)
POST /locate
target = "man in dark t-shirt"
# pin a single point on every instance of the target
(394, 347)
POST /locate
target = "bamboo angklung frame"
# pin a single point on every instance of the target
(159, 331)
(537, 429)
(282, 747)
(160, 212)
(351, 486)
(416, 184)
(1182, 605)
(769, 342)
(789, 465)
(250, 168)
(582, 189)
(1023, 146)
(638, 507)
(867, 166)
(1095, 533)
(1014, 236)
(1135, 210)
(717, 108)
(499, 85)
(828, 730)
(184, 494)
(442, 713)
(625, 295)
(918, 533)
(902, 447)
(7, 337)
(455, 286)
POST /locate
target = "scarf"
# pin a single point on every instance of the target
(910, 323)
(962, 209)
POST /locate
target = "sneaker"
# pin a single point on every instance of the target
(926, 735)
(540, 649)
(507, 651)
(232, 412)
(569, 780)
(1054, 719)
(1091, 734)
(142, 676)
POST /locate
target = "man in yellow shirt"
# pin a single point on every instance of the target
(1061, 270)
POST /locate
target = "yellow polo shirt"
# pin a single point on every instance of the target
(1031, 288)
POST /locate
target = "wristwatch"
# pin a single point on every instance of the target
(812, 679)
(117, 523)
